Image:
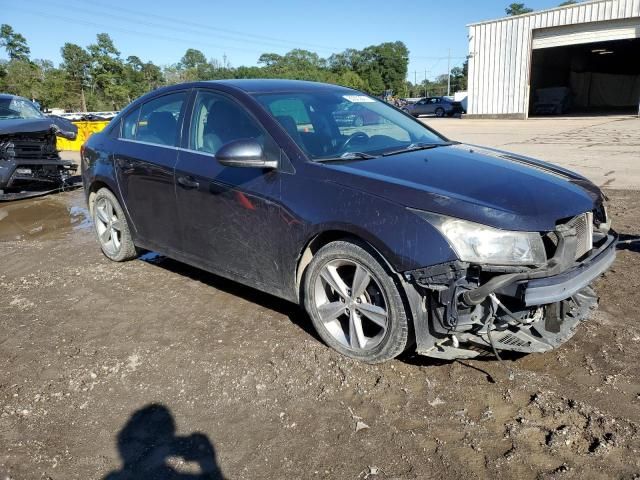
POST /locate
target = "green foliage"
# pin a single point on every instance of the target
(99, 78)
(14, 43)
(351, 79)
(516, 9)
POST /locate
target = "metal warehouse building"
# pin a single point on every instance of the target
(579, 58)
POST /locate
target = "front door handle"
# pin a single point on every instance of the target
(188, 182)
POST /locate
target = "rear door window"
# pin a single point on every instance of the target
(159, 120)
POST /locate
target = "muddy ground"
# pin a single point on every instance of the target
(102, 364)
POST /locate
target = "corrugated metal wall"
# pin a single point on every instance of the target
(500, 53)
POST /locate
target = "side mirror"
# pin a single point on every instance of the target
(246, 152)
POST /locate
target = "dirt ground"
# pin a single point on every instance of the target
(104, 364)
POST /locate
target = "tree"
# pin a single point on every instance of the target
(269, 59)
(76, 62)
(516, 9)
(351, 79)
(568, 2)
(459, 77)
(141, 77)
(108, 90)
(375, 82)
(380, 67)
(391, 60)
(193, 58)
(98, 78)
(14, 43)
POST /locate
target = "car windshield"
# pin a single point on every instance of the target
(16, 107)
(347, 125)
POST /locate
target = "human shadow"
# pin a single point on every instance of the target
(148, 442)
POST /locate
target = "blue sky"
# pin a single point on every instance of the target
(161, 30)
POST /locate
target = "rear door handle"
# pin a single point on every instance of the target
(188, 182)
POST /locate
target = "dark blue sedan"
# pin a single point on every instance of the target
(390, 235)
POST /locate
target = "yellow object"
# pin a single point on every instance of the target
(85, 130)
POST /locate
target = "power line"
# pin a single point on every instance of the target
(174, 39)
(136, 33)
(173, 21)
(245, 38)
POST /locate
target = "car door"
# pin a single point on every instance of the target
(420, 107)
(430, 106)
(229, 215)
(145, 157)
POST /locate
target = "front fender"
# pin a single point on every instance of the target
(405, 240)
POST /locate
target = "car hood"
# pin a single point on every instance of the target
(474, 183)
(58, 125)
(9, 126)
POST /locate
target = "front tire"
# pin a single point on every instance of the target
(439, 112)
(355, 304)
(111, 227)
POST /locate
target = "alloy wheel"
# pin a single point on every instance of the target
(108, 226)
(351, 305)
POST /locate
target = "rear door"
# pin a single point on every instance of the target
(230, 216)
(145, 158)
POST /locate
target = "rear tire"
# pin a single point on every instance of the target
(355, 303)
(439, 112)
(111, 227)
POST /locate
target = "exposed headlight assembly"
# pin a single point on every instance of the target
(477, 243)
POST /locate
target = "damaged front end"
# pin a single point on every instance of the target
(30, 164)
(463, 309)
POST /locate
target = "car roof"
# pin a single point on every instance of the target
(273, 85)
(262, 85)
(246, 86)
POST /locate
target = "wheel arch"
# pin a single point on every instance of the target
(93, 190)
(408, 294)
(319, 240)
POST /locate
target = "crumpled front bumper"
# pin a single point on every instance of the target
(452, 306)
(27, 178)
(559, 287)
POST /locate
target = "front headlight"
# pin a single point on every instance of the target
(477, 243)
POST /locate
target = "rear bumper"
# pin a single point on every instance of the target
(559, 287)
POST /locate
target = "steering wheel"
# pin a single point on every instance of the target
(351, 138)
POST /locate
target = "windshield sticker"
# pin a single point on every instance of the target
(358, 98)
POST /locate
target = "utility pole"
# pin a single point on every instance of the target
(425, 82)
(449, 74)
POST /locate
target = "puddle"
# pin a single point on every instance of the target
(52, 216)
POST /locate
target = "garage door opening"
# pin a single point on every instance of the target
(601, 78)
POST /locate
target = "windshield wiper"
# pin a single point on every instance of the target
(416, 146)
(348, 156)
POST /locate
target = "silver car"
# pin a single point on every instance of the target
(438, 106)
